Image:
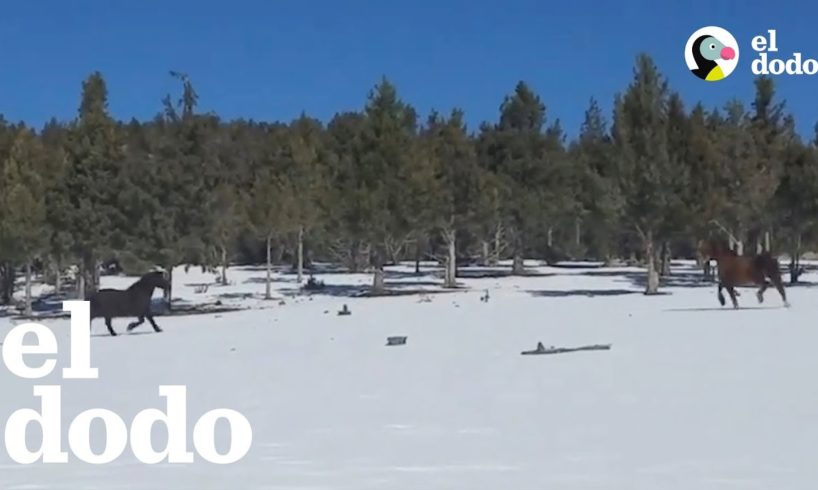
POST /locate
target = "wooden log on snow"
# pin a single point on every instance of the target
(559, 350)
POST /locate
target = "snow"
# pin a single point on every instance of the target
(691, 395)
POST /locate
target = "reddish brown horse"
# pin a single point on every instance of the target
(744, 270)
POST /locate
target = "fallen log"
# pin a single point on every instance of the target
(559, 350)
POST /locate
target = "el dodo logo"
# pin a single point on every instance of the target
(711, 53)
(50, 419)
(767, 64)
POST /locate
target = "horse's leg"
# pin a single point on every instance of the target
(770, 269)
(780, 287)
(760, 293)
(108, 324)
(153, 323)
(732, 293)
(135, 324)
(721, 296)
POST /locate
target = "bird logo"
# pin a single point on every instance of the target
(711, 53)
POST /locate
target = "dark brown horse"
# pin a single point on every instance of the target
(132, 302)
(743, 270)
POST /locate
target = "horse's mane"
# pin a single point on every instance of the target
(137, 284)
(141, 281)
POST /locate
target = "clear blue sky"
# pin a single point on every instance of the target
(272, 59)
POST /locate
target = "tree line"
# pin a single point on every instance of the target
(384, 184)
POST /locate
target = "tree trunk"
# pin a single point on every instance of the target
(96, 275)
(652, 286)
(665, 258)
(278, 253)
(795, 261)
(702, 262)
(394, 249)
(89, 273)
(767, 239)
(498, 235)
(518, 266)
(57, 277)
(7, 278)
(451, 259)
(223, 253)
(517, 260)
(168, 293)
(378, 278)
(81, 281)
(28, 289)
(300, 253)
(578, 233)
(484, 256)
(417, 257)
(739, 247)
(268, 293)
(550, 237)
(377, 281)
(354, 257)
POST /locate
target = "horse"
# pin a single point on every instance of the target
(132, 302)
(744, 270)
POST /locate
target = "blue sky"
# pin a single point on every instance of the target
(270, 60)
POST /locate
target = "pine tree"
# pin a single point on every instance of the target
(559, 203)
(738, 164)
(796, 200)
(771, 129)
(182, 181)
(347, 197)
(678, 219)
(306, 180)
(54, 137)
(529, 167)
(640, 138)
(704, 197)
(494, 238)
(449, 181)
(8, 272)
(23, 227)
(597, 187)
(386, 149)
(270, 199)
(94, 157)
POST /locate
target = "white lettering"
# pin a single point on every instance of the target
(241, 436)
(14, 350)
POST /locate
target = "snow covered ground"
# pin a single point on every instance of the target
(691, 395)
